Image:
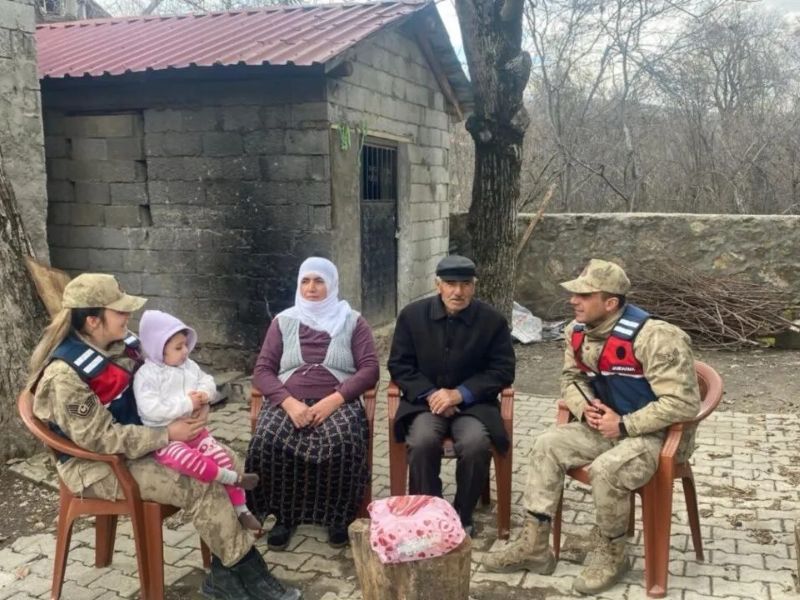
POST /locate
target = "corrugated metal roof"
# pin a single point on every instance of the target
(279, 35)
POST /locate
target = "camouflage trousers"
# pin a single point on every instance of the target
(206, 504)
(617, 468)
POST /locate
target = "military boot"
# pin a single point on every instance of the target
(222, 583)
(531, 551)
(259, 582)
(604, 566)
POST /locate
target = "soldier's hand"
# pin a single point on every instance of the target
(608, 423)
(593, 412)
(298, 412)
(183, 430)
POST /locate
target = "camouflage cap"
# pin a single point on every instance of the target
(599, 276)
(97, 290)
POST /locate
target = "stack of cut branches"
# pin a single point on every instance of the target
(716, 311)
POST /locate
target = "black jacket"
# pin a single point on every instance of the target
(432, 350)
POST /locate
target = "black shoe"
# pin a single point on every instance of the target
(279, 536)
(259, 582)
(337, 536)
(222, 583)
(469, 529)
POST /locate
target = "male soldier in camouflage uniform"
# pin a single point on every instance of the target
(67, 402)
(633, 398)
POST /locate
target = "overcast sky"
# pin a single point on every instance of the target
(790, 8)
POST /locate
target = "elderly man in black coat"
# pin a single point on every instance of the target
(451, 356)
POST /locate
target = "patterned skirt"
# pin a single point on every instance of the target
(310, 475)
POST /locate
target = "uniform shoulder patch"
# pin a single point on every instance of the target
(82, 409)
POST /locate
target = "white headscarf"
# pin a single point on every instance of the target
(326, 315)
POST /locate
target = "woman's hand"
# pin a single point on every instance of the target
(298, 412)
(183, 430)
(325, 408)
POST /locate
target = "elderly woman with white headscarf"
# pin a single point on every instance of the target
(310, 443)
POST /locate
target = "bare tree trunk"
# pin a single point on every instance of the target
(22, 317)
(492, 34)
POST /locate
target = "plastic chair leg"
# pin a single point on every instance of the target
(502, 467)
(398, 468)
(205, 552)
(556, 527)
(154, 560)
(63, 539)
(105, 533)
(140, 514)
(690, 493)
(657, 527)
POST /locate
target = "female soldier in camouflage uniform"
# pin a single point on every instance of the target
(81, 374)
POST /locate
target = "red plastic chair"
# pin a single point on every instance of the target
(146, 517)
(398, 461)
(257, 399)
(657, 493)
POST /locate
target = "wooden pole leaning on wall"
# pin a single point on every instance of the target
(535, 220)
(431, 579)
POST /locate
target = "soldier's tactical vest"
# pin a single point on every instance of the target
(110, 382)
(619, 381)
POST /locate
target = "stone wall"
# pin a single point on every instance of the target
(394, 93)
(21, 142)
(762, 249)
(202, 195)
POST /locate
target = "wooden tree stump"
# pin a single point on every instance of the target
(432, 579)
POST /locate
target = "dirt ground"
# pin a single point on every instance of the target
(756, 381)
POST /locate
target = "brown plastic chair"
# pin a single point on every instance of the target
(257, 399)
(146, 517)
(398, 460)
(657, 493)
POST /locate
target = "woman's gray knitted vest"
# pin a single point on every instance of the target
(338, 359)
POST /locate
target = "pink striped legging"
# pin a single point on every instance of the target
(201, 458)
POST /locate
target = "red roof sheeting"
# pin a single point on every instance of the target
(279, 35)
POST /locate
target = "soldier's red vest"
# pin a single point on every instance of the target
(109, 381)
(619, 381)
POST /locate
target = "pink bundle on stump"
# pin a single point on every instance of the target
(407, 528)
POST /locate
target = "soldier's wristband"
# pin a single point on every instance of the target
(623, 431)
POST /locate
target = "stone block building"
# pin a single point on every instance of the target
(202, 158)
(21, 141)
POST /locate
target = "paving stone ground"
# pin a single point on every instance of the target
(747, 469)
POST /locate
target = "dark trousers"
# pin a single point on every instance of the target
(472, 447)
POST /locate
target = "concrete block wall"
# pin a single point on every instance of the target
(394, 93)
(21, 141)
(205, 198)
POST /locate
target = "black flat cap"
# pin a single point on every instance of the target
(455, 268)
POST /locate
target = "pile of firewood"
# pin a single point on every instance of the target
(716, 311)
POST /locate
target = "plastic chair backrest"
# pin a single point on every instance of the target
(54, 442)
(710, 390)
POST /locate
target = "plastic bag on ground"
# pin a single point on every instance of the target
(525, 326)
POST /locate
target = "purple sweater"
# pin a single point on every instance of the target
(316, 381)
